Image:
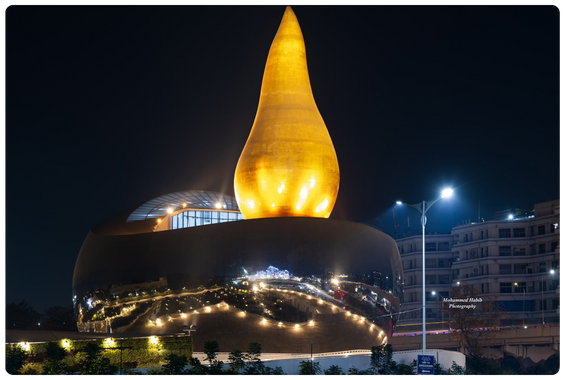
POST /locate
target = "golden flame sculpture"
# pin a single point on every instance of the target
(288, 166)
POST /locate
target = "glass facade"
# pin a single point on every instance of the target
(193, 218)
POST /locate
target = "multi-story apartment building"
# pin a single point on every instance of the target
(515, 257)
(439, 277)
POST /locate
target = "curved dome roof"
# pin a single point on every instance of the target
(196, 199)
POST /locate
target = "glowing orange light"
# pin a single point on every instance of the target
(288, 166)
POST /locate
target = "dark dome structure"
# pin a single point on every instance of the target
(188, 259)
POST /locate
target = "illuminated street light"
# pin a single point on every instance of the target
(446, 193)
(423, 208)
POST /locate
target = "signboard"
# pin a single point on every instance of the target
(425, 365)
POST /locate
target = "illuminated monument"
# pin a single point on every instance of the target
(288, 166)
(267, 266)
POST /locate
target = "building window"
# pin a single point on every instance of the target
(519, 232)
(505, 287)
(541, 248)
(542, 283)
(553, 227)
(541, 230)
(430, 297)
(553, 246)
(541, 268)
(505, 250)
(519, 251)
(443, 246)
(504, 233)
(520, 269)
(431, 247)
(199, 218)
(443, 295)
(519, 287)
(443, 279)
(444, 263)
(431, 263)
(505, 269)
(430, 279)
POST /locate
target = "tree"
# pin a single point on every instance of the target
(197, 367)
(334, 370)
(175, 364)
(211, 349)
(54, 355)
(237, 362)
(404, 369)
(353, 371)
(275, 371)
(90, 364)
(15, 358)
(59, 318)
(254, 364)
(438, 369)
(480, 366)
(475, 318)
(511, 364)
(553, 365)
(456, 369)
(381, 359)
(310, 367)
(106, 368)
(21, 316)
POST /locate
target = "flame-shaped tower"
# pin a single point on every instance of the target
(288, 166)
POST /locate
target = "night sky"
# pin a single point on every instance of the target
(109, 107)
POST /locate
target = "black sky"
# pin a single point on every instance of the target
(108, 107)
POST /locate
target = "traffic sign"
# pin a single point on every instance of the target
(425, 365)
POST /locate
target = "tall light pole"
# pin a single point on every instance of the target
(423, 208)
(542, 299)
(523, 305)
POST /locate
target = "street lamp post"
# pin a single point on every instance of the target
(423, 208)
(542, 299)
(523, 305)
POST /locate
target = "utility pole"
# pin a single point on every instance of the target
(395, 222)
